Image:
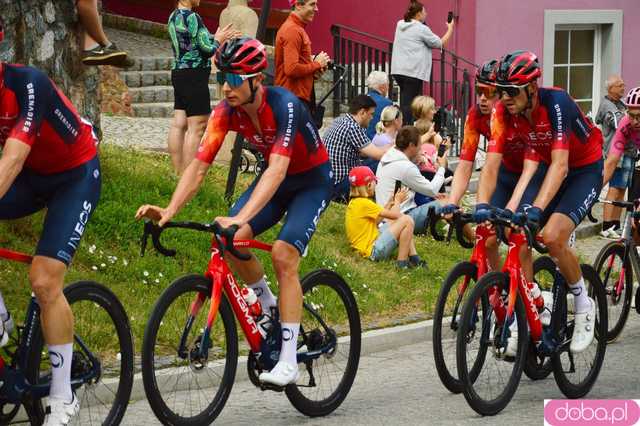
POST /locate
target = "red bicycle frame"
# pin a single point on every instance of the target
(479, 255)
(517, 284)
(222, 279)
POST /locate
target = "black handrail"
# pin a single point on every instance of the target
(361, 52)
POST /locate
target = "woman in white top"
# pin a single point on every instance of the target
(411, 57)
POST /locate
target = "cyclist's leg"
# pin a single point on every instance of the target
(251, 271)
(579, 191)
(72, 199)
(505, 184)
(529, 195)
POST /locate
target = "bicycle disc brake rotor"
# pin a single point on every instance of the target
(197, 362)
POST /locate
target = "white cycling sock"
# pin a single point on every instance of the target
(266, 297)
(580, 297)
(289, 347)
(60, 357)
(4, 314)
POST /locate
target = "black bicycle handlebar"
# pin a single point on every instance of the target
(224, 236)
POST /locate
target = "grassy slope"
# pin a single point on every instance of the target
(109, 252)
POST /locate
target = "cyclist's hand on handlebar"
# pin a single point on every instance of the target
(155, 213)
(448, 209)
(534, 218)
(227, 222)
(482, 213)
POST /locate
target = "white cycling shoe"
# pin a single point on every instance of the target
(545, 315)
(583, 330)
(281, 375)
(60, 412)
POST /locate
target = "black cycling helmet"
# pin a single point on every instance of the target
(243, 56)
(486, 73)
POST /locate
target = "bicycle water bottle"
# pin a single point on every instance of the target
(249, 296)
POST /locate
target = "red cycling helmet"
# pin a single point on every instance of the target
(518, 68)
(633, 98)
(242, 56)
(486, 73)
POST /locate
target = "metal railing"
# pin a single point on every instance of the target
(450, 82)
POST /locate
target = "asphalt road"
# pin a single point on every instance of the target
(401, 387)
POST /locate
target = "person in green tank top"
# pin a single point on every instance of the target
(193, 47)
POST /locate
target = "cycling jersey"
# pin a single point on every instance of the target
(625, 134)
(476, 125)
(558, 125)
(507, 142)
(35, 112)
(286, 128)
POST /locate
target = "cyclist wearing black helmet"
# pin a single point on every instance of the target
(297, 181)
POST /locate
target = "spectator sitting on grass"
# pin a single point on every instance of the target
(363, 216)
(397, 165)
(388, 126)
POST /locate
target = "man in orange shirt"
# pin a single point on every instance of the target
(295, 68)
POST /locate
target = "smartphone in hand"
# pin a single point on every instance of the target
(442, 149)
(450, 17)
(398, 187)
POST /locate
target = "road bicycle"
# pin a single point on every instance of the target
(617, 263)
(488, 315)
(190, 349)
(454, 292)
(101, 367)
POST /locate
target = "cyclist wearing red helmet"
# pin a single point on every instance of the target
(49, 160)
(553, 125)
(298, 181)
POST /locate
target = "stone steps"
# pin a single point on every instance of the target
(150, 94)
(157, 109)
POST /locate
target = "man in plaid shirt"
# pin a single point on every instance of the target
(347, 142)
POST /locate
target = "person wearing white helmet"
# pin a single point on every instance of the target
(628, 132)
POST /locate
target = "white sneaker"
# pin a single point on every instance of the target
(61, 412)
(583, 330)
(281, 375)
(545, 315)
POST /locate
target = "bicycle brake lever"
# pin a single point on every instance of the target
(145, 238)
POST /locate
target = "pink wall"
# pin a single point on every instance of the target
(521, 26)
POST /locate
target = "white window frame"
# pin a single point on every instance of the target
(610, 55)
(596, 64)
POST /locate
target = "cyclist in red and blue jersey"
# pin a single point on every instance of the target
(553, 125)
(297, 181)
(49, 160)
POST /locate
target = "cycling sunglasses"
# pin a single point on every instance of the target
(236, 80)
(488, 91)
(511, 91)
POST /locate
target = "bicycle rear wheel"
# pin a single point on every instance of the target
(181, 387)
(575, 374)
(498, 380)
(608, 265)
(446, 322)
(330, 311)
(102, 326)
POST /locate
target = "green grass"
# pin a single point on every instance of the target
(110, 252)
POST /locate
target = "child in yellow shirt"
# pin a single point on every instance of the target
(363, 216)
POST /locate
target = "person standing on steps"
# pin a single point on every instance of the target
(193, 46)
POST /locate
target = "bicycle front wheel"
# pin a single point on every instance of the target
(446, 322)
(610, 265)
(101, 330)
(330, 312)
(182, 387)
(482, 329)
(575, 374)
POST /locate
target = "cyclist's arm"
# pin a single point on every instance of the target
(555, 176)
(14, 154)
(610, 167)
(488, 177)
(528, 170)
(188, 185)
(266, 187)
(461, 179)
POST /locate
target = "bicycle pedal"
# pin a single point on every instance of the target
(270, 387)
